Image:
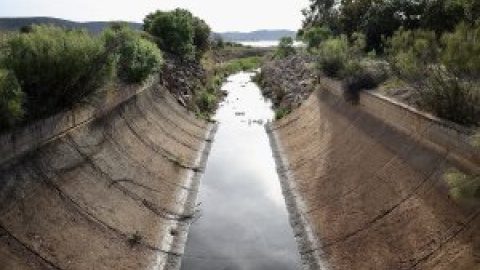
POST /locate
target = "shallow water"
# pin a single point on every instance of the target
(244, 221)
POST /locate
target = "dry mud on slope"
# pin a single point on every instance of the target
(114, 193)
(367, 180)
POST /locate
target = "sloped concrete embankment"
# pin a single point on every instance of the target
(110, 186)
(365, 189)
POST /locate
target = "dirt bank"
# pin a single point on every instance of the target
(365, 185)
(114, 192)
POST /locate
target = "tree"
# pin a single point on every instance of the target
(471, 9)
(201, 38)
(352, 13)
(440, 16)
(173, 32)
(315, 35)
(178, 32)
(319, 12)
(285, 47)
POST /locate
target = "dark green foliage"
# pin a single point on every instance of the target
(285, 47)
(380, 19)
(137, 58)
(11, 100)
(360, 79)
(178, 32)
(201, 39)
(173, 32)
(314, 36)
(351, 15)
(207, 102)
(441, 16)
(56, 68)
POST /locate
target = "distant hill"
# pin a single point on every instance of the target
(12, 24)
(264, 35)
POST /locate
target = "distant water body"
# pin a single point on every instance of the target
(266, 43)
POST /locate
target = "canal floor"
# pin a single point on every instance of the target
(244, 221)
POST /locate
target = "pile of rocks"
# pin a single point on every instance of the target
(182, 78)
(288, 82)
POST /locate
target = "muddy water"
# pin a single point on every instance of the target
(244, 221)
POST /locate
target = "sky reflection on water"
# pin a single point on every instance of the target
(244, 223)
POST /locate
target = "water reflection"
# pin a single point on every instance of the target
(244, 223)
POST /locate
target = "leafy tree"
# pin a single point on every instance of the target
(471, 9)
(315, 35)
(441, 16)
(352, 13)
(178, 32)
(319, 12)
(136, 57)
(379, 19)
(173, 32)
(11, 100)
(285, 47)
(410, 52)
(461, 53)
(201, 38)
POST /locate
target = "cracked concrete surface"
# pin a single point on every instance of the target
(113, 193)
(365, 192)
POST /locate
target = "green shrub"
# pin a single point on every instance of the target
(281, 112)
(201, 38)
(11, 100)
(285, 47)
(357, 78)
(137, 57)
(179, 32)
(463, 186)
(56, 68)
(358, 44)
(461, 55)
(207, 102)
(451, 98)
(173, 32)
(410, 53)
(314, 36)
(332, 56)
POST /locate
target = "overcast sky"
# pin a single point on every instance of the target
(221, 15)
